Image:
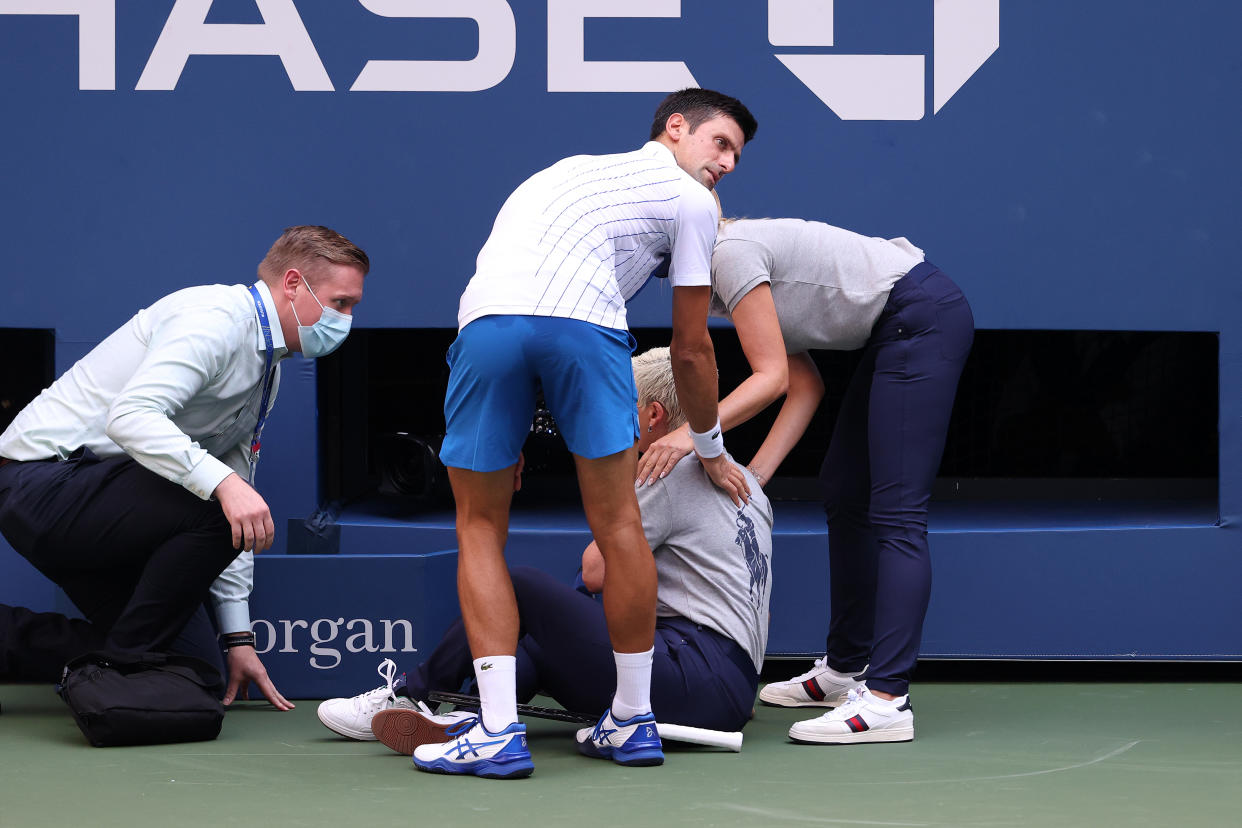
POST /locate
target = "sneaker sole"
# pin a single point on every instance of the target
(639, 759)
(404, 730)
(792, 704)
(896, 734)
(518, 769)
(356, 735)
(776, 701)
(636, 759)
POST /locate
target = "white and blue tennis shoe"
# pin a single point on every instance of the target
(476, 751)
(634, 741)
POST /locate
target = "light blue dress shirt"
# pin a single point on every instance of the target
(177, 388)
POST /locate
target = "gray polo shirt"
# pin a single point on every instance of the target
(713, 559)
(829, 284)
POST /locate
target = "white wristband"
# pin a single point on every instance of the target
(710, 443)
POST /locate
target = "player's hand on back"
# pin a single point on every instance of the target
(729, 477)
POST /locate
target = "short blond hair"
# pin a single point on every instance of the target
(306, 246)
(653, 376)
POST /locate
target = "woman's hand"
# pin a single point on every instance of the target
(660, 457)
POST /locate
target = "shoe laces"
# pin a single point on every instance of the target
(453, 716)
(853, 701)
(602, 734)
(461, 727)
(373, 700)
(820, 664)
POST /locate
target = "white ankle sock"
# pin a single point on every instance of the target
(497, 677)
(633, 684)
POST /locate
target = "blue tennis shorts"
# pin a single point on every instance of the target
(495, 367)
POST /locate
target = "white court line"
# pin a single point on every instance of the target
(286, 755)
(175, 782)
(1088, 763)
(769, 813)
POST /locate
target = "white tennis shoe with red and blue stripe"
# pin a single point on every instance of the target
(821, 686)
(863, 718)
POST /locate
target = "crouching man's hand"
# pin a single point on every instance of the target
(245, 667)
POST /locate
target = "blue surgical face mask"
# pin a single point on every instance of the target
(326, 335)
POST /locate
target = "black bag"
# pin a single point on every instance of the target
(148, 699)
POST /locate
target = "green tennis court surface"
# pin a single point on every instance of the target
(986, 754)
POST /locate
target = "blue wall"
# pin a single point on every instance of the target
(1083, 177)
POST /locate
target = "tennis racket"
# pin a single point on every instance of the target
(727, 739)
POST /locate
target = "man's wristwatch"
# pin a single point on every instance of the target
(232, 640)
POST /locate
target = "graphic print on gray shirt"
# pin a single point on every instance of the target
(713, 559)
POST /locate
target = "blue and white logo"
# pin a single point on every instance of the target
(885, 87)
(857, 87)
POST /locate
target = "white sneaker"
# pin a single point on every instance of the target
(821, 686)
(403, 730)
(478, 752)
(352, 717)
(863, 718)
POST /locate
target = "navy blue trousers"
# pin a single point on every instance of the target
(878, 473)
(135, 553)
(698, 677)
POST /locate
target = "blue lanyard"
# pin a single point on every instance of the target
(267, 379)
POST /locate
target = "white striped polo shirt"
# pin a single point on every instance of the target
(579, 238)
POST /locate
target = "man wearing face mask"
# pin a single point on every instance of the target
(129, 482)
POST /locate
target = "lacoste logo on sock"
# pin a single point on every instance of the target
(487, 665)
(715, 434)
